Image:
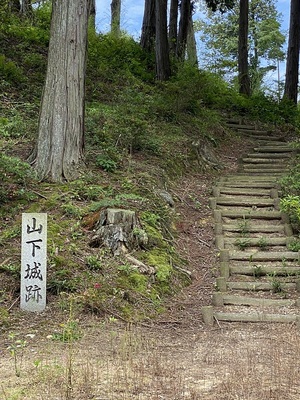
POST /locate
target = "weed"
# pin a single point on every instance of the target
(258, 271)
(72, 210)
(294, 245)
(70, 332)
(93, 263)
(262, 243)
(276, 284)
(106, 163)
(242, 244)
(16, 349)
(244, 226)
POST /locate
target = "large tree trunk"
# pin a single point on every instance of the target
(185, 11)
(148, 28)
(191, 45)
(163, 70)
(92, 14)
(61, 126)
(115, 24)
(292, 64)
(14, 6)
(173, 26)
(244, 81)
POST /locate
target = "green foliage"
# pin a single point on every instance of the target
(220, 38)
(291, 205)
(262, 243)
(122, 55)
(10, 71)
(258, 271)
(294, 245)
(93, 263)
(106, 163)
(69, 333)
(14, 175)
(242, 244)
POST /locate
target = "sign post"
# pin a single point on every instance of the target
(33, 262)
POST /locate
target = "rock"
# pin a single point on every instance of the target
(167, 197)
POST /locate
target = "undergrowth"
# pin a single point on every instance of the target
(141, 136)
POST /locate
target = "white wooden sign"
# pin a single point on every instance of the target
(33, 262)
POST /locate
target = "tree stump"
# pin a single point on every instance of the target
(119, 230)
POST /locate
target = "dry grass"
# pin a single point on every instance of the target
(111, 362)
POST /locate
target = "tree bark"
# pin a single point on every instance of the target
(185, 12)
(163, 69)
(92, 14)
(60, 142)
(14, 6)
(292, 63)
(191, 45)
(244, 80)
(115, 25)
(173, 26)
(148, 28)
(26, 8)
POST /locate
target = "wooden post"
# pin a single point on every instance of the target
(221, 284)
(208, 315)
(218, 299)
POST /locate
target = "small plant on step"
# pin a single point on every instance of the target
(258, 271)
(242, 244)
(262, 243)
(276, 284)
(244, 226)
(294, 245)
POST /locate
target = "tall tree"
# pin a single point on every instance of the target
(92, 14)
(60, 143)
(115, 24)
(26, 7)
(163, 69)
(185, 14)
(191, 45)
(265, 41)
(244, 80)
(173, 22)
(292, 63)
(148, 27)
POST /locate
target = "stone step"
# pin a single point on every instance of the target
(263, 173)
(265, 161)
(242, 202)
(263, 270)
(220, 299)
(274, 149)
(220, 190)
(238, 125)
(259, 286)
(265, 167)
(251, 228)
(249, 184)
(267, 215)
(259, 256)
(260, 135)
(209, 316)
(261, 241)
(245, 177)
(270, 156)
(256, 317)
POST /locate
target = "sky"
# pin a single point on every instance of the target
(132, 15)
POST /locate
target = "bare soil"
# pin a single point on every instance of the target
(174, 357)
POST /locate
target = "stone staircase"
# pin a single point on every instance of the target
(259, 275)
